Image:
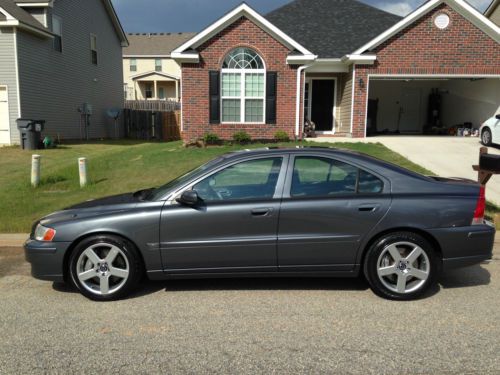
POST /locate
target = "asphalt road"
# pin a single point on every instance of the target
(250, 326)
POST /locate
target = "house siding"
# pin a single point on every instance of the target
(38, 14)
(195, 86)
(346, 101)
(8, 77)
(422, 48)
(53, 84)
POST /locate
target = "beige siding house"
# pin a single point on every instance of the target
(493, 12)
(55, 56)
(149, 71)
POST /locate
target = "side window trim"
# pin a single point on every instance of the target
(278, 193)
(287, 186)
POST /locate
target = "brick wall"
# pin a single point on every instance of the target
(195, 86)
(422, 48)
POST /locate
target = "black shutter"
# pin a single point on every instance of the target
(271, 92)
(214, 97)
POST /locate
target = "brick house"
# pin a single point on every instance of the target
(352, 69)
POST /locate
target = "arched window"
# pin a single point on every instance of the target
(243, 87)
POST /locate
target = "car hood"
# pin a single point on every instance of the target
(103, 203)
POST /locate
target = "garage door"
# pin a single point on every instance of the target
(4, 116)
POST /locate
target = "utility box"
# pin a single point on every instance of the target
(30, 133)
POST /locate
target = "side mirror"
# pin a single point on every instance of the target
(189, 198)
(498, 117)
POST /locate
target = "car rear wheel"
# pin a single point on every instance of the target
(105, 268)
(401, 266)
(486, 138)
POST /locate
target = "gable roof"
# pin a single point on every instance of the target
(494, 5)
(460, 6)
(185, 51)
(154, 44)
(331, 28)
(16, 16)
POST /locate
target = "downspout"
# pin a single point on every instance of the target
(298, 96)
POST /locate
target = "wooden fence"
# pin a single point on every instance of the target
(153, 105)
(149, 125)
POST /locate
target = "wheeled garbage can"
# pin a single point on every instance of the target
(30, 133)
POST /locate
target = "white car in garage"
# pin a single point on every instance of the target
(490, 131)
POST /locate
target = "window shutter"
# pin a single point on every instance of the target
(271, 92)
(214, 99)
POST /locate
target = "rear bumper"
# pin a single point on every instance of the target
(465, 246)
(46, 258)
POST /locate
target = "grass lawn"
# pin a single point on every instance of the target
(113, 168)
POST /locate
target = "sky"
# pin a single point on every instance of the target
(194, 15)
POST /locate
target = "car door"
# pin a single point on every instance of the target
(234, 226)
(328, 207)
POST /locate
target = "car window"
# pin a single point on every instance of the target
(316, 176)
(368, 183)
(254, 179)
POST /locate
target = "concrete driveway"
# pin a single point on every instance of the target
(444, 156)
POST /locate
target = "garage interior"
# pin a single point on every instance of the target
(430, 106)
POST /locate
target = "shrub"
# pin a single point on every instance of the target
(211, 139)
(281, 136)
(242, 137)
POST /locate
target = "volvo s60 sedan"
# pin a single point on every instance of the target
(313, 212)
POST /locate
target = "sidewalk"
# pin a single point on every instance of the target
(13, 240)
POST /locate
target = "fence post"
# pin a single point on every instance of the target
(82, 169)
(35, 170)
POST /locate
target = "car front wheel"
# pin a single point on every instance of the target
(105, 268)
(401, 266)
(486, 137)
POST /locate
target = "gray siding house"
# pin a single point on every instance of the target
(54, 56)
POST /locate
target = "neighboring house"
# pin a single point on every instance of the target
(352, 69)
(55, 56)
(149, 71)
(493, 12)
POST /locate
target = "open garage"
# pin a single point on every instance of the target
(437, 105)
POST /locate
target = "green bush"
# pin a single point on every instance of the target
(211, 139)
(242, 137)
(281, 136)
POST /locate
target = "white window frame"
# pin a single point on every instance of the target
(161, 65)
(130, 65)
(243, 73)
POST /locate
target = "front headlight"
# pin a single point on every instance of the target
(44, 234)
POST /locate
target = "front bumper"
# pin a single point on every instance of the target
(465, 246)
(46, 258)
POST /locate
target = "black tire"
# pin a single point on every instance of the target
(128, 256)
(379, 252)
(486, 137)
(490, 162)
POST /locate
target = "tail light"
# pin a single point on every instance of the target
(480, 207)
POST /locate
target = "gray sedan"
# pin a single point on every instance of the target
(269, 213)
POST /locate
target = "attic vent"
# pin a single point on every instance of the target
(442, 21)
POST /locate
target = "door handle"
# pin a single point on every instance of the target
(368, 208)
(261, 212)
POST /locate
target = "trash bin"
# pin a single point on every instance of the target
(30, 133)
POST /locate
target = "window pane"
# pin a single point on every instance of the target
(254, 110)
(255, 179)
(316, 177)
(368, 183)
(231, 110)
(254, 85)
(158, 65)
(133, 65)
(243, 58)
(231, 84)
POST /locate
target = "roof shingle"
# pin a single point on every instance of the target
(21, 15)
(331, 28)
(154, 44)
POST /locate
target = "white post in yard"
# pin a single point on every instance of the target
(82, 168)
(35, 170)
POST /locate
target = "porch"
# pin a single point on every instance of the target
(155, 86)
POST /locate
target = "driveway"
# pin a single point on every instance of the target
(265, 326)
(444, 156)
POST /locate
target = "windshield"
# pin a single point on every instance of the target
(160, 192)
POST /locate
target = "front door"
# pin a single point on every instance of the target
(4, 116)
(233, 228)
(322, 104)
(328, 207)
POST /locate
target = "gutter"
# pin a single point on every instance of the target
(297, 107)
